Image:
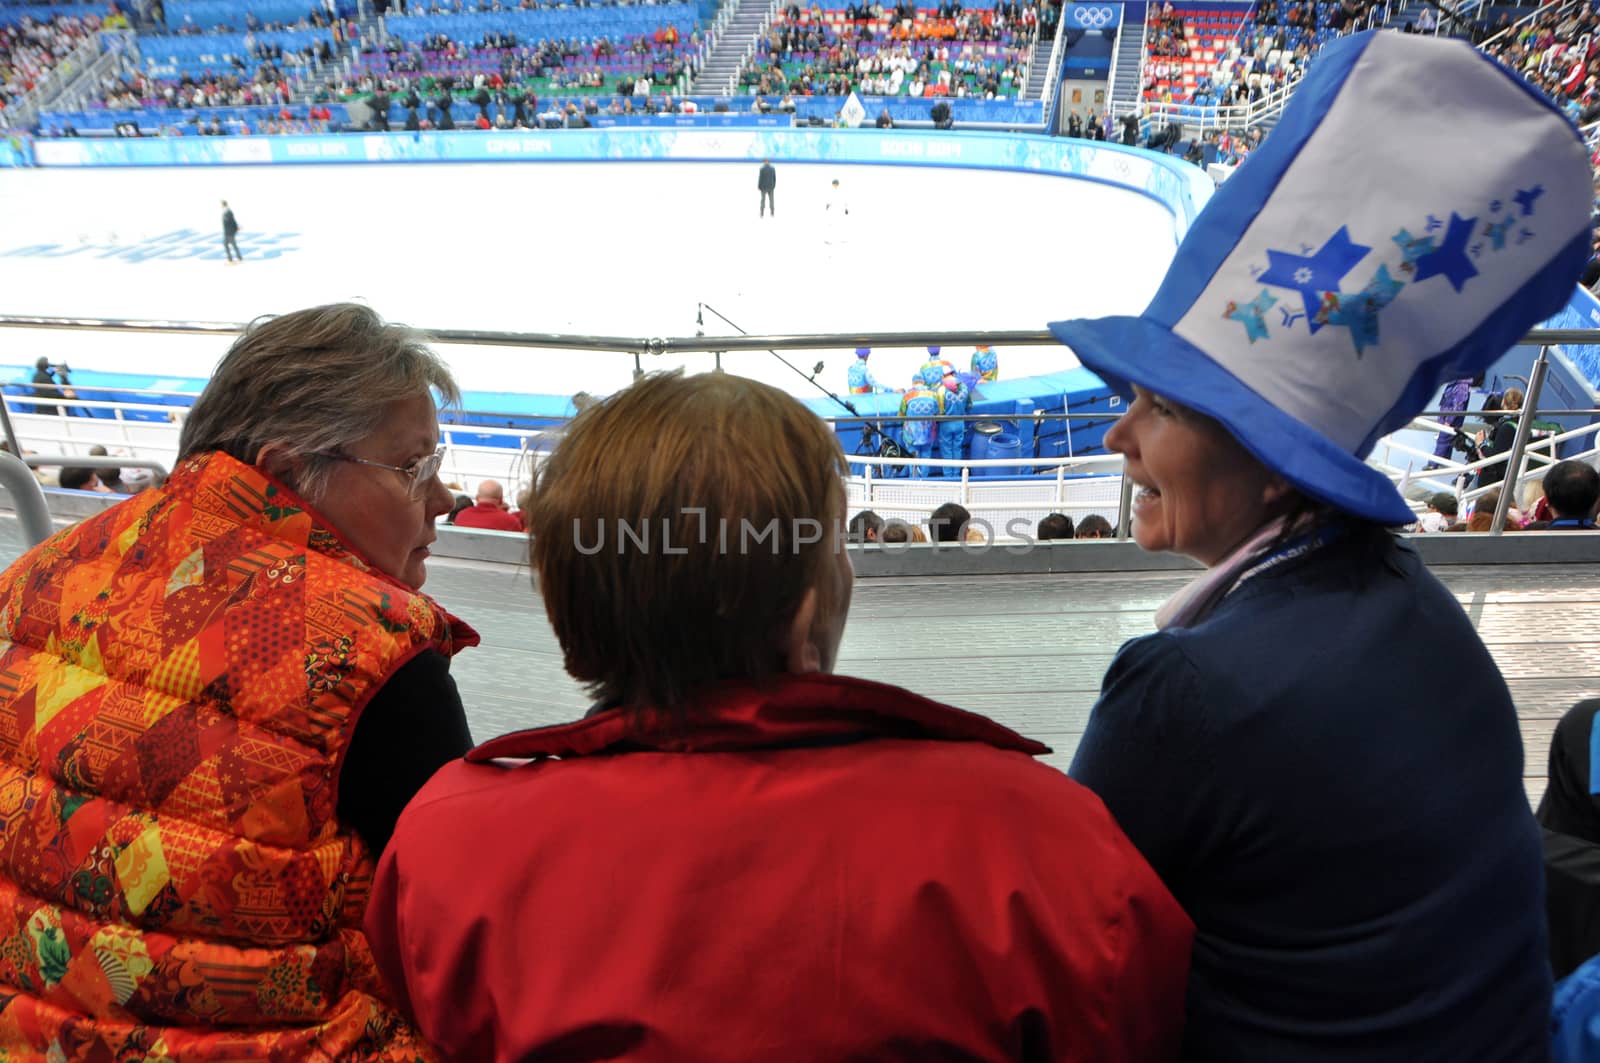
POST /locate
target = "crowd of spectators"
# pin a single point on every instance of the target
(898, 50)
(30, 49)
(266, 85)
(1271, 47)
(954, 523)
(1557, 53)
(502, 70)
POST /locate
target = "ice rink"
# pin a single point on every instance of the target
(625, 249)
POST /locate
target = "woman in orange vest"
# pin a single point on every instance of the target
(217, 697)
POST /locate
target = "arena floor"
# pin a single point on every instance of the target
(608, 249)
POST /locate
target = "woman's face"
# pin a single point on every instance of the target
(1196, 491)
(373, 508)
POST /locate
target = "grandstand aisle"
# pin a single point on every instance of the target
(611, 249)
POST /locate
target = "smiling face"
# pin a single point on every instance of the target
(373, 509)
(1197, 491)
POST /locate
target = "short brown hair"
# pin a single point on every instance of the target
(314, 381)
(669, 533)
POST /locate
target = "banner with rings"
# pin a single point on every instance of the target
(1091, 16)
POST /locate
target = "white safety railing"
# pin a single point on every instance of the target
(1053, 71)
(1037, 485)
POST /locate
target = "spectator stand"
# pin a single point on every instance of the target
(485, 57)
(977, 51)
(46, 48)
(1555, 49)
(1217, 83)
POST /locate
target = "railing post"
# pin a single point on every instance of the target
(5, 423)
(26, 495)
(1513, 474)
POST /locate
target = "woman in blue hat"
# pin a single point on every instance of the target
(1358, 854)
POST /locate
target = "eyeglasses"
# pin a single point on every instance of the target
(420, 471)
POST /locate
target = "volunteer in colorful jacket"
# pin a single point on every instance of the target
(1357, 853)
(218, 695)
(737, 855)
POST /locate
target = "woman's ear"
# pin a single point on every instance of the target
(801, 654)
(276, 461)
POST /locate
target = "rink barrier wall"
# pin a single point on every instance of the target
(972, 559)
(1176, 185)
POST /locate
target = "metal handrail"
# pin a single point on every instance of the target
(27, 497)
(1516, 460)
(675, 344)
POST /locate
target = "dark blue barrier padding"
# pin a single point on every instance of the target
(901, 109)
(908, 109)
(150, 119)
(16, 381)
(531, 414)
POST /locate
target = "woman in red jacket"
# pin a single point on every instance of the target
(737, 855)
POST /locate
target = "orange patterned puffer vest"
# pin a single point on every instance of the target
(178, 683)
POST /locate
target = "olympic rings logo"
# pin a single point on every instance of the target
(1093, 18)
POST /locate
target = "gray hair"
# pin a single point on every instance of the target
(312, 382)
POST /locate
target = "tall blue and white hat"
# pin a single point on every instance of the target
(1415, 211)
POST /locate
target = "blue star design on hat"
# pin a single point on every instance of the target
(1359, 312)
(1314, 274)
(1450, 260)
(1250, 314)
(1412, 247)
(1496, 231)
(1525, 198)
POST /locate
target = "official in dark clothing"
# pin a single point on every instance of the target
(443, 103)
(44, 387)
(380, 111)
(1130, 130)
(230, 234)
(767, 183)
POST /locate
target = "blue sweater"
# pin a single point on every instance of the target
(1327, 772)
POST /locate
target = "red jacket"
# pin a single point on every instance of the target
(487, 515)
(816, 868)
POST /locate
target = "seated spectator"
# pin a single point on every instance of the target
(831, 884)
(74, 478)
(110, 479)
(1569, 812)
(865, 527)
(254, 634)
(1442, 511)
(489, 511)
(461, 502)
(949, 523)
(1572, 489)
(1279, 746)
(1482, 518)
(1094, 526)
(898, 531)
(1055, 526)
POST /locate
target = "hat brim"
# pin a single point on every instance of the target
(1124, 351)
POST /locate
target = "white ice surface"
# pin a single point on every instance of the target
(609, 249)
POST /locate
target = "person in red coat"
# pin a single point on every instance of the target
(489, 511)
(737, 855)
